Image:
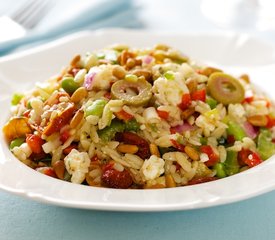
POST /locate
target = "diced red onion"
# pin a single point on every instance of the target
(182, 128)
(250, 130)
(148, 59)
(88, 83)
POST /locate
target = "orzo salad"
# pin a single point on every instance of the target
(147, 118)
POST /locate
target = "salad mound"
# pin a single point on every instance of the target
(147, 118)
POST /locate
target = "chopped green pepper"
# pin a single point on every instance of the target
(108, 133)
(96, 108)
(132, 125)
(265, 146)
(235, 130)
(231, 164)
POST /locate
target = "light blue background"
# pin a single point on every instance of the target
(252, 219)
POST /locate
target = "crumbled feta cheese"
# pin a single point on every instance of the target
(152, 168)
(77, 164)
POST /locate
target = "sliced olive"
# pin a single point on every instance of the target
(132, 93)
(225, 89)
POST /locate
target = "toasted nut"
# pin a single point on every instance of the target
(127, 148)
(123, 57)
(130, 63)
(75, 60)
(245, 77)
(170, 182)
(258, 120)
(209, 70)
(192, 153)
(154, 149)
(79, 94)
(77, 118)
(187, 113)
(159, 55)
(91, 181)
(119, 72)
(59, 169)
(155, 186)
(145, 73)
(192, 84)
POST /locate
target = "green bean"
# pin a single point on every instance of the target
(211, 102)
(96, 108)
(69, 85)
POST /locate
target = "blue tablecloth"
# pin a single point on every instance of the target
(251, 219)
(247, 220)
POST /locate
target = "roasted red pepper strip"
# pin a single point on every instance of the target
(185, 101)
(213, 157)
(249, 158)
(163, 114)
(199, 95)
(123, 115)
(35, 143)
(60, 121)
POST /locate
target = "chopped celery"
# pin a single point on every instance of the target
(132, 125)
(231, 164)
(220, 171)
(17, 142)
(211, 102)
(16, 98)
(265, 146)
(235, 130)
(96, 108)
(108, 133)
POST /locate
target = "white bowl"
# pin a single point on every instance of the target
(237, 53)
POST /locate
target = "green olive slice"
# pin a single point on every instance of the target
(225, 89)
(141, 88)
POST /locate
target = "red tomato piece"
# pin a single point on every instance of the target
(47, 171)
(35, 143)
(213, 157)
(177, 145)
(163, 114)
(249, 158)
(185, 101)
(123, 115)
(199, 95)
